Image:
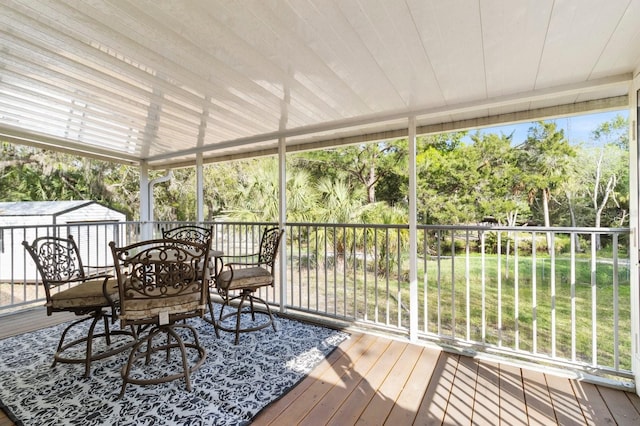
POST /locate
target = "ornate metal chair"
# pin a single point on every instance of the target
(193, 233)
(198, 234)
(246, 274)
(69, 288)
(162, 282)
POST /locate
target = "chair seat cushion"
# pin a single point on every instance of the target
(245, 278)
(88, 293)
(150, 308)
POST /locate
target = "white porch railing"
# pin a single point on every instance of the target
(495, 289)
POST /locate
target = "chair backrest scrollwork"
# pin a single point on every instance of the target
(193, 233)
(57, 259)
(162, 275)
(269, 244)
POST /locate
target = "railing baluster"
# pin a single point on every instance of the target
(594, 303)
(365, 268)
(375, 259)
(483, 284)
(572, 279)
(468, 284)
(516, 289)
(553, 294)
(336, 270)
(616, 318)
(534, 294)
(425, 280)
(326, 270)
(399, 276)
(387, 274)
(439, 280)
(499, 266)
(355, 275)
(453, 284)
(345, 251)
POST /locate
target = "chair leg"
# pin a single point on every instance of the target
(266, 305)
(87, 342)
(242, 300)
(168, 351)
(148, 352)
(253, 312)
(226, 303)
(107, 331)
(61, 344)
(183, 351)
(213, 319)
(273, 323)
(245, 296)
(174, 341)
(89, 351)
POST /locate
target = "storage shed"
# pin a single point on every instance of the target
(91, 224)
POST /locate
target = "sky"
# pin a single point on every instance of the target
(577, 129)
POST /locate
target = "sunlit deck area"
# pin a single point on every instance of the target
(161, 86)
(374, 379)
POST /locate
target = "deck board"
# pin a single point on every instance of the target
(278, 407)
(487, 396)
(359, 366)
(565, 403)
(593, 407)
(388, 392)
(536, 392)
(371, 379)
(434, 404)
(512, 403)
(353, 406)
(329, 377)
(408, 402)
(623, 410)
(461, 400)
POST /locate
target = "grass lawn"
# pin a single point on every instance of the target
(562, 306)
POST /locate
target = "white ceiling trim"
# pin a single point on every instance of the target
(577, 89)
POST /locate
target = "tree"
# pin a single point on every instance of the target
(448, 180)
(499, 192)
(544, 162)
(32, 174)
(604, 166)
(367, 164)
(614, 136)
(253, 193)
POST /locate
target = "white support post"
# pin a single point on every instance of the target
(199, 188)
(282, 220)
(413, 234)
(634, 207)
(282, 192)
(145, 231)
(202, 130)
(149, 231)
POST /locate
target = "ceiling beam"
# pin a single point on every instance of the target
(168, 160)
(578, 108)
(21, 137)
(480, 106)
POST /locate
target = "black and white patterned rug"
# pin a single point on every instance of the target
(230, 388)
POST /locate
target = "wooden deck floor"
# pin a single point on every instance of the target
(375, 380)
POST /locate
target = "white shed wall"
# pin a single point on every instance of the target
(92, 238)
